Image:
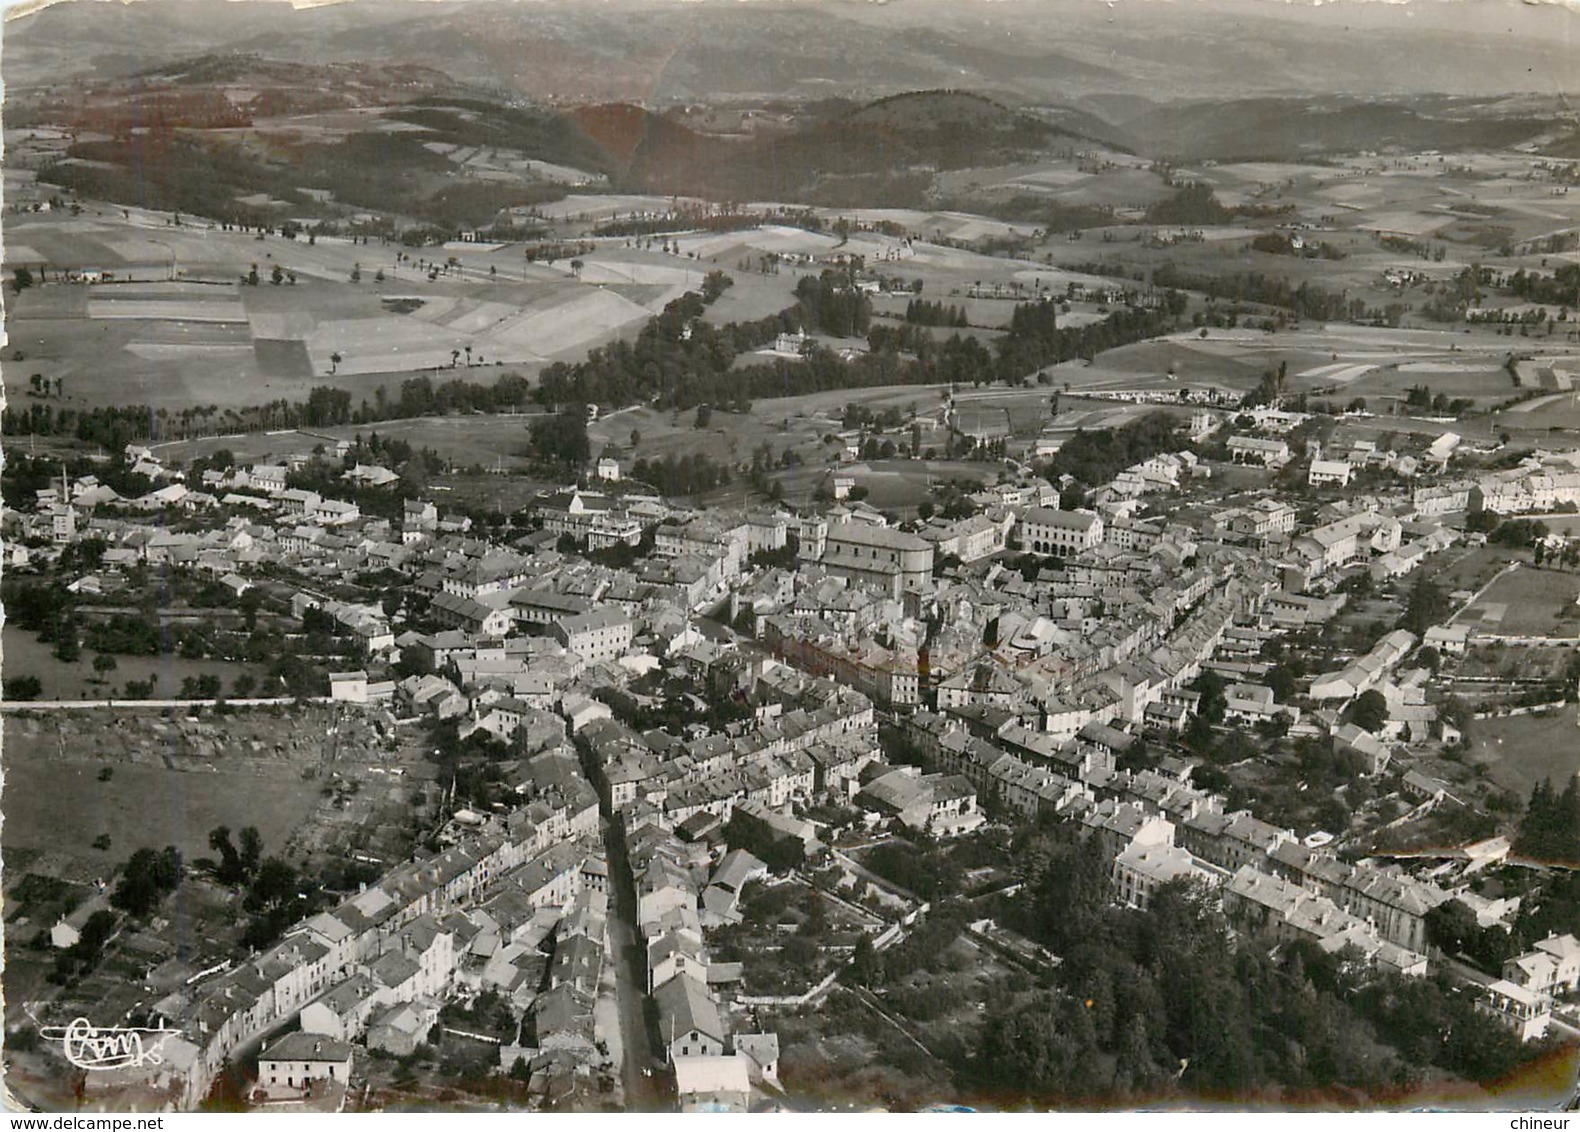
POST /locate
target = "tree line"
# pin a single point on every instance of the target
(925, 313)
(114, 427)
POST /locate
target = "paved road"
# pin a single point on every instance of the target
(642, 1092)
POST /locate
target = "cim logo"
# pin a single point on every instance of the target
(112, 1047)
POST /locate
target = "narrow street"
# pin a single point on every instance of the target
(643, 1093)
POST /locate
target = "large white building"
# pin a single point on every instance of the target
(894, 560)
(1047, 530)
(604, 634)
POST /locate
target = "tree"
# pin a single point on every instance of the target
(67, 648)
(104, 662)
(146, 879)
(1427, 606)
(229, 870)
(229, 1091)
(1369, 711)
(21, 279)
(1214, 702)
(704, 415)
(277, 276)
(866, 965)
(561, 439)
(334, 361)
(19, 688)
(251, 849)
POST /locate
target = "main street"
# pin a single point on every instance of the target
(643, 1090)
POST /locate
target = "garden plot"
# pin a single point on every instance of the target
(771, 239)
(1058, 279)
(173, 289)
(182, 351)
(1268, 172)
(281, 326)
(1442, 367)
(1408, 223)
(478, 318)
(470, 246)
(177, 310)
(596, 208)
(379, 345)
(946, 225)
(1046, 178)
(1525, 602)
(1352, 194)
(567, 326)
(1347, 374)
(622, 271)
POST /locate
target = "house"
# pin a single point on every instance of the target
(1251, 703)
(763, 1052)
(1520, 1010)
(597, 636)
(713, 1083)
(1258, 450)
(1141, 870)
(342, 1011)
(1325, 472)
(371, 475)
(349, 687)
(688, 1019)
(1448, 640)
(399, 1029)
(297, 1060)
(1351, 737)
(1551, 968)
(470, 615)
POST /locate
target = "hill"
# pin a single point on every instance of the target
(661, 51)
(1278, 128)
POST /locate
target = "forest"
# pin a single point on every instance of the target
(1170, 998)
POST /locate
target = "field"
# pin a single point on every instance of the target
(1527, 602)
(176, 327)
(1463, 568)
(26, 655)
(168, 786)
(1519, 751)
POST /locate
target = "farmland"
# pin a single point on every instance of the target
(78, 680)
(1519, 751)
(180, 327)
(1526, 602)
(170, 783)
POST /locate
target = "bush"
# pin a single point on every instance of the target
(21, 688)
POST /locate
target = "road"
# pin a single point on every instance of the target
(643, 1093)
(73, 705)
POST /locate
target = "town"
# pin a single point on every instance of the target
(660, 731)
(543, 634)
